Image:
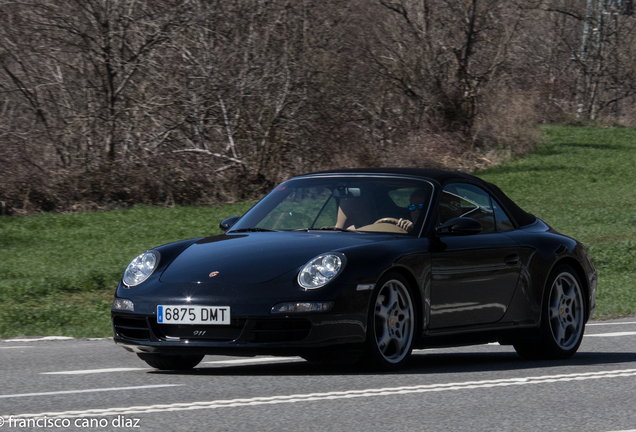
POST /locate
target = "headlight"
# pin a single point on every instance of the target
(321, 270)
(140, 268)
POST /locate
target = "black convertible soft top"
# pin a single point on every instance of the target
(440, 176)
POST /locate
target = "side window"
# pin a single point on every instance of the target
(465, 200)
(503, 222)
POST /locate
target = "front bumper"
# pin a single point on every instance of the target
(281, 335)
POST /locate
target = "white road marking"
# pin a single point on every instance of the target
(254, 360)
(219, 362)
(93, 371)
(313, 397)
(88, 391)
(610, 323)
(12, 347)
(611, 334)
(46, 338)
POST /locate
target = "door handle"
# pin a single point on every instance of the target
(512, 259)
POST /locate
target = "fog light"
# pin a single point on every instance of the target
(293, 307)
(123, 304)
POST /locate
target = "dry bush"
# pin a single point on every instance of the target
(508, 121)
(208, 102)
(451, 151)
(155, 180)
(26, 179)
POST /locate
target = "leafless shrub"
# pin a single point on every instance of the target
(162, 102)
(507, 121)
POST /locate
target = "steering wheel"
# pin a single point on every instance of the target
(387, 220)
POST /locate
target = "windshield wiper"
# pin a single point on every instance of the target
(253, 229)
(322, 229)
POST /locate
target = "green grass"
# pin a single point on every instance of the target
(582, 182)
(58, 272)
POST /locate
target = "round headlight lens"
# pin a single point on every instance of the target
(140, 268)
(320, 271)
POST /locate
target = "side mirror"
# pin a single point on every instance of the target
(227, 223)
(459, 227)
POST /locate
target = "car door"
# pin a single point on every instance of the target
(473, 276)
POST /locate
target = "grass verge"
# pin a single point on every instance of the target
(582, 182)
(58, 272)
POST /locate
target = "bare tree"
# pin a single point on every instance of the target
(193, 101)
(242, 80)
(77, 64)
(441, 54)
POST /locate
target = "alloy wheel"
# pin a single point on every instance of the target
(566, 311)
(394, 321)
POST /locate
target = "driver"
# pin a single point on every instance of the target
(418, 202)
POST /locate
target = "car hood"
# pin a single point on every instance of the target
(257, 257)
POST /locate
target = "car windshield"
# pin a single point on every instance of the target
(342, 203)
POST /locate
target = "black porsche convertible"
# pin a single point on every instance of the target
(363, 265)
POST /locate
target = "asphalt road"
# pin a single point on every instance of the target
(95, 385)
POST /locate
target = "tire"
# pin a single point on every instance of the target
(391, 324)
(563, 317)
(163, 362)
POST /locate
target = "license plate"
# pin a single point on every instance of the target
(180, 314)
